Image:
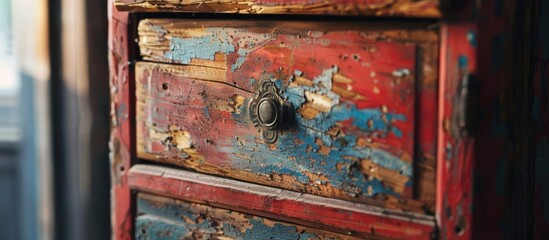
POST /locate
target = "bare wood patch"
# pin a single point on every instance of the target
(422, 8)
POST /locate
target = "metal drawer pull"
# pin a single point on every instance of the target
(270, 112)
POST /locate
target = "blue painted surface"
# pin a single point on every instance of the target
(297, 151)
(242, 52)
(179, 220)
(206, 111)
(216, 40)
(151, 228)
(182, 50)
(463, 62)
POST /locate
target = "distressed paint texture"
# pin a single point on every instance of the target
(412, 8)
(352, 219)
(354, 132)
(121, 111)
(486, 182)
(164, 218)
(455, 152)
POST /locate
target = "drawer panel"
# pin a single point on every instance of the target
(412, 8)
(293, 207)
(353, 91)
(166, 218)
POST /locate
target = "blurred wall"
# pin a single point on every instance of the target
(80, 118)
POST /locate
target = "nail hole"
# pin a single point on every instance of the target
(164, 86)
(459, 229)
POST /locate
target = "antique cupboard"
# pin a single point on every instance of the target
(328, 119)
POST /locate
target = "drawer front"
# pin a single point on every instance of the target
(352, 92)
(165, 218)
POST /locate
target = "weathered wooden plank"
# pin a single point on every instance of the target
(455, 151)
(408, 8)
(353, 91)
(121, 138)
(165, 218)
(304, 209)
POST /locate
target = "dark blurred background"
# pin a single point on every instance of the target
(54, 122)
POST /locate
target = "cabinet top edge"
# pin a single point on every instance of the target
(377, 8)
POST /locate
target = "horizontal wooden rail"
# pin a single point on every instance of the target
(351, 218)
(401, 8)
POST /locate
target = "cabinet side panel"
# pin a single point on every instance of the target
(455, 152)
(120, 143)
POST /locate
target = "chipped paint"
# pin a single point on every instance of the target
(247, 44)
(182, 50)
(373, 121)
(399, 73)
(313, 157)
(162, 218)
(472, 38)
(206, 111)
(344, 119)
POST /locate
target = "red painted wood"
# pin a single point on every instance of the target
(174, 100)
(279, 204)
(485, 182)
(455, 153)
(120, 142)
(160, 217)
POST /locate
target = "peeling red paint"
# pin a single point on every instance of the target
(305, 209)
(455, 153)
(373, 72)
(120, 141)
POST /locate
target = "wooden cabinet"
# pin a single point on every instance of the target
(294, 119)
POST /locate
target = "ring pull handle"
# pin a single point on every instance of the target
(269, 111)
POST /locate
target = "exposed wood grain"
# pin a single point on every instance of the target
(304, 209)
(165, 218)
(186, 119)
(408, 8)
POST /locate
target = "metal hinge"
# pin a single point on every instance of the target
(466, 106)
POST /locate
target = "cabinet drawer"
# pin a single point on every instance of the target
(166, 218)
(360, 98)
